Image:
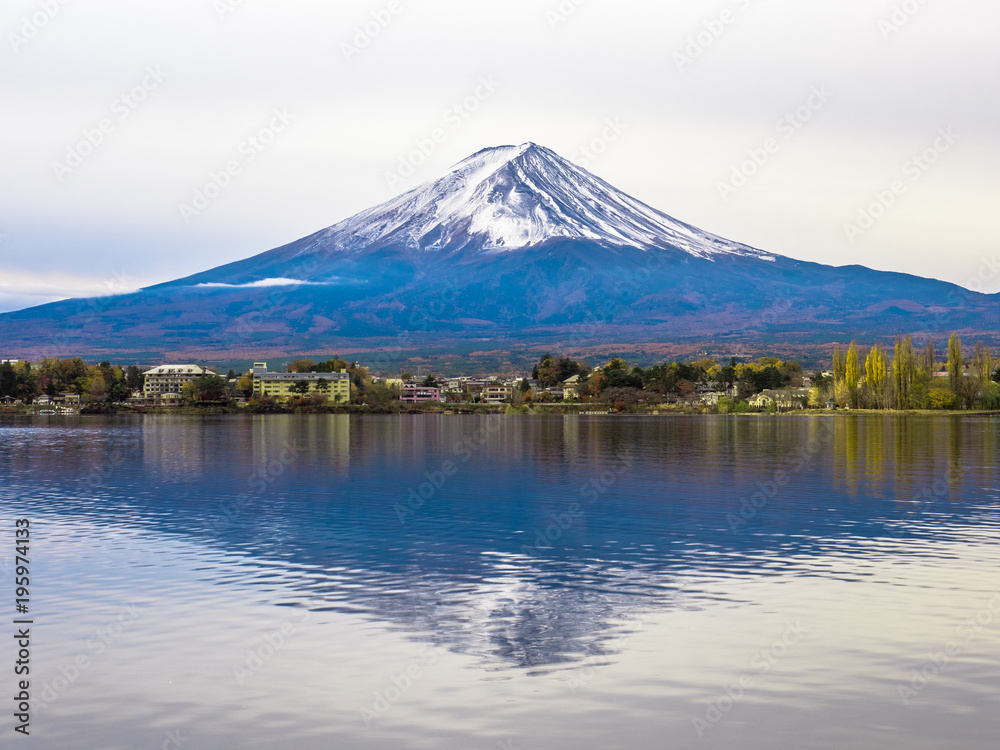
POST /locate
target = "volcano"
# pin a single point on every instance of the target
(514, 245)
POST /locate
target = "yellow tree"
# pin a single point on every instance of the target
(838, 365)
(876, 375)
(852, 373)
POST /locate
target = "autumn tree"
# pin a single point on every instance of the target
(852, 373)
(876, 376)
(838, 365)
(551, 371)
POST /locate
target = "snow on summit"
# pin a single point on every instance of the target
(514, 197)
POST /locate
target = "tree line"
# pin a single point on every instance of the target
(906, 378)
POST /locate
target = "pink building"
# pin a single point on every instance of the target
(415, 393)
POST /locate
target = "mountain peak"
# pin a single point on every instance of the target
(507, 198)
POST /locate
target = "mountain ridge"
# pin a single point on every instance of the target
(526, 246)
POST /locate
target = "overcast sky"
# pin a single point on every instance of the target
(855, 131)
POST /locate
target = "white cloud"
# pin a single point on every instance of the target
(274, 282)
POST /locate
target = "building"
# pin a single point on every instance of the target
(336, 386)
(496, 393)
(570, 386)
(783, 398)
(711, 398)
(414, 393)
(167, 381)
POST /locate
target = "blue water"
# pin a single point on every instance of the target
(509, 581)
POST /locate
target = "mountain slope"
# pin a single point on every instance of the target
(515, 244)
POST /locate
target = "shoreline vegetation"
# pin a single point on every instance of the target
(898, 380)
(569, 409)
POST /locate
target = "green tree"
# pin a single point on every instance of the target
(118, 392)
(904, 371)
(927, 362)
(134, 379)
(8, 380)
(429, 382)
(301, 387)
(982, 363)
(551, 371)
(955, 369)
(96, 388)
(209, 387)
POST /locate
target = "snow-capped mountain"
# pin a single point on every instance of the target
(515, 197)
(515, 246)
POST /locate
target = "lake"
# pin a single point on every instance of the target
(515, 582)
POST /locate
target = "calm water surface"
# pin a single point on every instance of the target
(509, 582)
